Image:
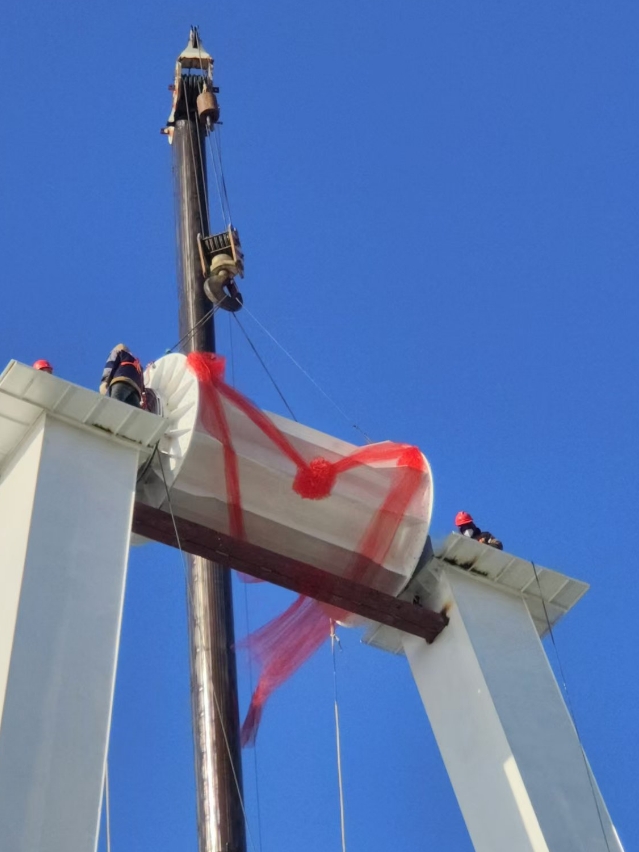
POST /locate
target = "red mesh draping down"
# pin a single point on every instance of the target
(281, 647)
(286, 642)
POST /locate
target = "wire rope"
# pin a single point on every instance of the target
(224, 200)
(219, 181)
(338, 739)
(107, 806)
(348, 419)
(195, 327)
(194, 164)
(232, 351)
(216, 158)
(197, 627)
(218, 144)
(266, 369)
(202, 172)
(251, 687)
(570, 709)
(248, 631)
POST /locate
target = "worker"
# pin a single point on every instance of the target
(466, 526)
(122, 377)
(43, 365)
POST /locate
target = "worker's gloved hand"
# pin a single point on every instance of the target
(490, 540)
(104, 388)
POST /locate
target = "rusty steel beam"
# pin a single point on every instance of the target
(289, 573)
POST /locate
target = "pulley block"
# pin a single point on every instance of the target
(207, 107)
(222, 260)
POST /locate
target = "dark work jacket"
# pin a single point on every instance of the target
(484, 536)
(122, 366)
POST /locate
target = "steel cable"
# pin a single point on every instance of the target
(215, 697)
(348, 419)
(107, 806)
(338, 739)
(266, 369)
(570, 709)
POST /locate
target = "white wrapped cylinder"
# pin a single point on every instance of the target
(325, 533)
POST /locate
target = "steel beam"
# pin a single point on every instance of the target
(288, 573)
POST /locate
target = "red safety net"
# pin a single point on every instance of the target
(282, 645)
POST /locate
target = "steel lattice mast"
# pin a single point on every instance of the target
(218, 770)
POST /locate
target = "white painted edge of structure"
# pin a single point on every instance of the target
(549, 595)
(26, 393)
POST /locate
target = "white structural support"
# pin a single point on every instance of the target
(68, 466)
(508, 742)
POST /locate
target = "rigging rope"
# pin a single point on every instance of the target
(268, 372)
(107, 806)
(197, 627)
(202, 159)
(231, 347)
(219, 178)
(214, 140)
(338, 739)
(216, 158)
(251, 687)
(348, 419)
(570, 709)
(195, 327)
(248, 630)
(194, 164)
(220, 182)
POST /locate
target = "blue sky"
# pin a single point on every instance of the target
(438, 206)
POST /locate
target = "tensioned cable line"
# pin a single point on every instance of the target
(197, 627)
(251, 687)
(202, 158)
(338, 738)
(219, 179)
(195, 327)
(248, 631)
(266, 369)
(192, 330)
(232, 350)
(194, 162)
(348, 419)
(570, 709)
(107, 806)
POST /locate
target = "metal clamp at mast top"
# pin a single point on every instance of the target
(193, 90)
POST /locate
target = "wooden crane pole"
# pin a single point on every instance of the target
(218, 765)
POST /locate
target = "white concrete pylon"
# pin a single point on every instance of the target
(67, 488)
(506, 737)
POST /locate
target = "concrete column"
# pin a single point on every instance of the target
(66, 501)
(506, 737)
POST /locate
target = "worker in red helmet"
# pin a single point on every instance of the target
(43, 365)
(122, 377)
(466, 526)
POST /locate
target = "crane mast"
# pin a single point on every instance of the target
(205, 281)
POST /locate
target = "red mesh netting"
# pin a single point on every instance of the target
(282, 645)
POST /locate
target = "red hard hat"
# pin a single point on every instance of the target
(462, 518)
(43, 365)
